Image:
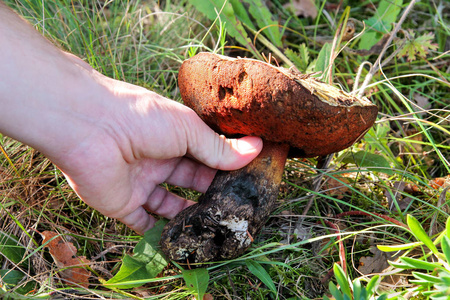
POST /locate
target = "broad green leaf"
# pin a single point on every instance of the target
(261, 273)
(445, 245)
(241, 13)
(383, 297)
(363, 295)
(264, 18)
(210, 8)
(357, 289)
(335, 291)
(370, 161)
(382, 129)
(381, 23)
(392, 248)
(372, 285)
(412, 263)
(342, 279)
(420, 234)
(323, 60)
(146, 263)
(11, 279)
(10, 247)
(197, 281)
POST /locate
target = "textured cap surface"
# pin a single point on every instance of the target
(248, 97)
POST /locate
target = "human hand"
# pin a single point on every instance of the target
(142, 141)
(115, 142)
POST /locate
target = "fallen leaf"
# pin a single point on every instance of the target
(440, 182)
(305, 8)
(374, 264)
(423, 104)
(208, 297)
(336, 186)
(65, 256)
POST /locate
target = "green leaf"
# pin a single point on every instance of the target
(372, 285)
(146, 263)
(447, 227)
(335, 291)
(386, 14)
(261, 273)
(323, 60)
(445, 245)
(12, 278)
(373, 162)
(412, 263)
(420, 234)
(357, 288)
(342, 280)
(234, 27)
(197, 281)
(416, 46)
(241, 13)
(426, 277)
(392, 248)
(264, 19)
(299, 59)
(383, 297)
(11, 248)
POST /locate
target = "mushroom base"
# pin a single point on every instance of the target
(232, 211)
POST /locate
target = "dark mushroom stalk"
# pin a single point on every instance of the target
(235, 207)
(296, 116)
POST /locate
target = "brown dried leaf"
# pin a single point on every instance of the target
(440, 182)
(208, 297)
(374, 264)
(64, 255)
(305, 8)
(335, 186)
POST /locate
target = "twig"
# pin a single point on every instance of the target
(376, 66)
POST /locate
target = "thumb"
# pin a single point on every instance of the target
(219, 152)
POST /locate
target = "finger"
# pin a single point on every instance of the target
(216, 151)
(191, 175)
(139, 220)
(165, 204)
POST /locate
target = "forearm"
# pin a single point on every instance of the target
(39, 85)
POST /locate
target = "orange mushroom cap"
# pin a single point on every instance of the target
(239, 96)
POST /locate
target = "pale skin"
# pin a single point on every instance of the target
(114, 142)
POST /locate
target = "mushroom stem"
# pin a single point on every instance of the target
(231, 212)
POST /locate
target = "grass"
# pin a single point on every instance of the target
(144, 43)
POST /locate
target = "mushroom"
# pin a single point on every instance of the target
(294, 114)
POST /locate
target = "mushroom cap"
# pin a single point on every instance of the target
(240, 96)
